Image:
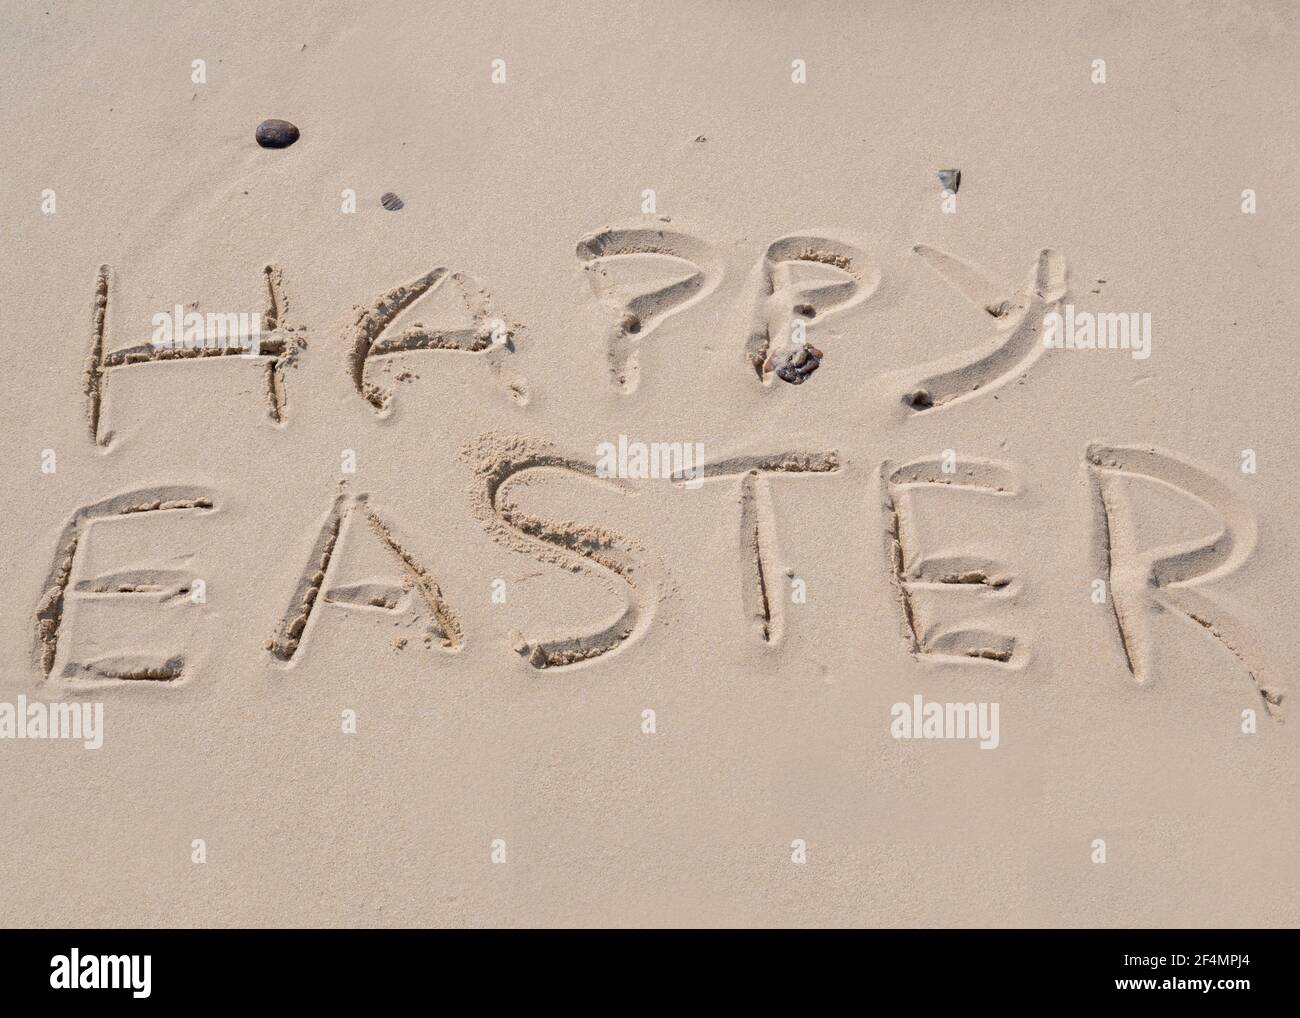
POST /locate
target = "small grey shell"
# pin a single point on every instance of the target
(390, 201)
(950, 180)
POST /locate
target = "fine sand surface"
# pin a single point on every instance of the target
(395, 510)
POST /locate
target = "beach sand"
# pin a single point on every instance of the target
(375, 641)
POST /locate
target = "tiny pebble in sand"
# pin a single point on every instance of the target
(276, 134)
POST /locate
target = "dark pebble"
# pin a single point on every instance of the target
(276, 134)
(950, 180)
(390, 201)
(796, 364)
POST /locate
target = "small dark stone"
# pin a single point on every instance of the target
(795, 364)
(390, 201)
(276, 134)
(950, 180)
